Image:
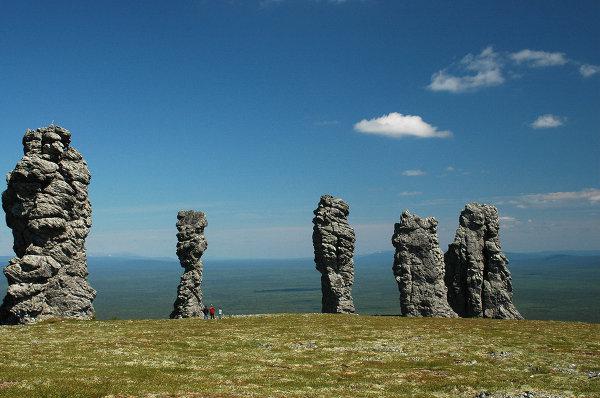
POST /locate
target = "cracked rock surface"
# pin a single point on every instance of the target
(48, 209)
(419, 267)
(333, 241)
(477, 275)
(191, 244)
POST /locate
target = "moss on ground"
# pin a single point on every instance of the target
(307, 355)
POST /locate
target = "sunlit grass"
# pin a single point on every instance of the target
(299, 356)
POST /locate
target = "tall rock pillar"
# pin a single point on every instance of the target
(48, 210)
(419, 267)
(333, 241)
(477, 275)
(190, 247)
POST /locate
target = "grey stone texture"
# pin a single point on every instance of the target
(419, 268)
(333, 241)
(48, 209)
(190, 247)
(477, 275)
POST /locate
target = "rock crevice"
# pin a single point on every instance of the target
(333, 241)
(191, 244)
(419, 267)
(47, 207)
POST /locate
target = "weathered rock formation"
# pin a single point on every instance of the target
(48, 210)
(333, 241)
(477, 276)
(190, 247)
(419, 267)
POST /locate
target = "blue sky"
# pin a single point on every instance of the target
(250, 110)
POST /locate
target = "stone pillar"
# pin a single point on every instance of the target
(419, 267)
(333, 241)
(477, 275)
(48, 210)
(190, 247)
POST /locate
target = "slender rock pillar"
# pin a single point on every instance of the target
(419, 267)
(333, 241)
(477, 275)
(48, 210)
(190, 247)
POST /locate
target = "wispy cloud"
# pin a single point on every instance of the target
(410, 193)
(327, 123)
(157, 208)
(509, 222)
(588, 70)
(450, 169)
(589, 196)
(413, 173)
(539, 59)
(283, 241)
(483, 70)
(267, 3)
(489, 68)
(547, 121)
(397, 125)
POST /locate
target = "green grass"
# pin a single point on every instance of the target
(299, 356)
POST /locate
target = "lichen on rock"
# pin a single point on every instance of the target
(48, 209)
(333, 241)
(190, 247)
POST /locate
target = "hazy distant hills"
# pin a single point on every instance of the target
(512, 257)
(547, 285)
(380, 256)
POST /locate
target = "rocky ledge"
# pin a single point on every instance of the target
(419, 267)
(333, 241)
(477, 275)
(190, 247)
(48, 210)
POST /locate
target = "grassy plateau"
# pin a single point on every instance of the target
(300, 355)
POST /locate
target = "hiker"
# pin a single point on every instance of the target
(212, 312)
(220, 313)
(205, 312)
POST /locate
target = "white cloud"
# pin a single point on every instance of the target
(589, 196)
(397, 125)
(410, 193)
(509, 222)
(547, 121)
(587, 70)
(538, 59)
(413, 173)
(450, 169)
(487, 68)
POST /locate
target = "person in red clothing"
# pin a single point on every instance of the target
(212, 312)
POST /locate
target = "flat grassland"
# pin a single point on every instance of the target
(301, 355)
